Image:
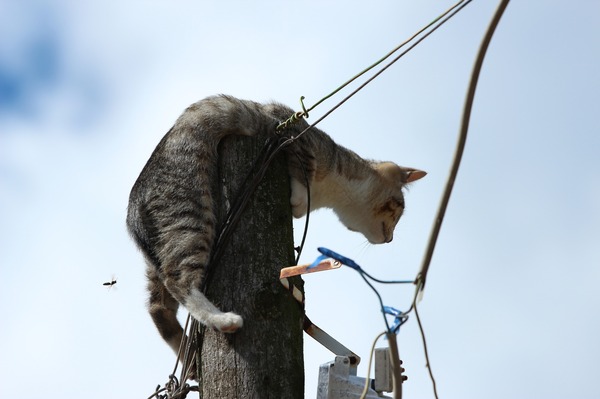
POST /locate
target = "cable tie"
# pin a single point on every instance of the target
(399, 318)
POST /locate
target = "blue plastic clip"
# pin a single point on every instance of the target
(340, 258)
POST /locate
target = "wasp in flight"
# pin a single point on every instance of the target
(110, 283)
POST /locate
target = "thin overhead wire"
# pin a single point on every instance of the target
(385, 57)
(441, 20)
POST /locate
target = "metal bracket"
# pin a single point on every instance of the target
(309, 327)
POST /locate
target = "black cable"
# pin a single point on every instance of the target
(387, 325)
(387, 281)
(267, 155)
(306, 222)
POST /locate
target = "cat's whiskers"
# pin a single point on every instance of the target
(364, 247)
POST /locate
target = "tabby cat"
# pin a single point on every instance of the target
(171, 217)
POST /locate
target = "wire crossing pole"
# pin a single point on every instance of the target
(264, 359)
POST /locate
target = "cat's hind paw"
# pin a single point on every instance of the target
(228, 322)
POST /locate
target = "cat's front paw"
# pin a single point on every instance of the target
(299, 210)
(228, 322)
(299, 199)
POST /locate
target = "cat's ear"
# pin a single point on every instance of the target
(394, 172)
(411, 175)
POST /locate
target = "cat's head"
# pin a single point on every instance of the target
(382, 200)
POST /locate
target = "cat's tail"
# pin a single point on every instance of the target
(175, 231)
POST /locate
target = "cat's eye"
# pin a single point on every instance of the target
(392, 206)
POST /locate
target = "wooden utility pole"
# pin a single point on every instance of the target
(264, 359)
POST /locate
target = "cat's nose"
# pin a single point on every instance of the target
(388, 235)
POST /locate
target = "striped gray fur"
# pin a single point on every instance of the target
(171, 216)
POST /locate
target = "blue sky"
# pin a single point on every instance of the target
(88, 89)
